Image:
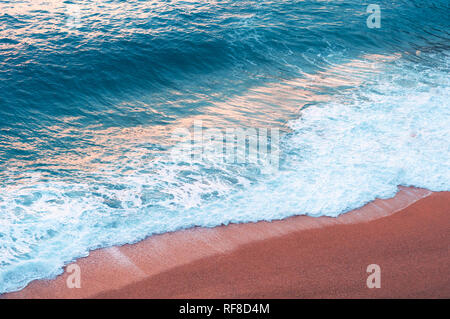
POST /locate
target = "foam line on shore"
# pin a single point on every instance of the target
(160, 253)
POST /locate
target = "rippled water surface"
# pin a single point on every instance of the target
(91, 92)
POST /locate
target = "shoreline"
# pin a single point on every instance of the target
(297, 257)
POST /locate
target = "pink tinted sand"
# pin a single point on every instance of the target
(298, 257)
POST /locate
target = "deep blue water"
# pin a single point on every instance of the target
(88, 103)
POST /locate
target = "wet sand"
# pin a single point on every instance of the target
(408, 236)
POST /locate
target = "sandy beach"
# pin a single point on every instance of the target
(299, 257)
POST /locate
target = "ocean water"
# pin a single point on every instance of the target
(92, 91)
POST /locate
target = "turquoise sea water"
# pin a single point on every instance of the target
(90, 92)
